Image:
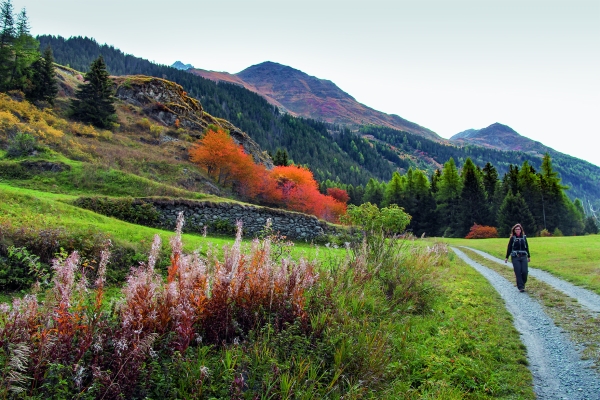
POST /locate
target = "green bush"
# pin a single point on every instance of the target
(125, 209)
(13, 170)
(21, 145)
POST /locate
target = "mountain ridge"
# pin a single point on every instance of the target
(304, 95)
(501, 137)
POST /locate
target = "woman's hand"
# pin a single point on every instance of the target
(505, 260)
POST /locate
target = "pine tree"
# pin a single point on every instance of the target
(528, 183)
(448, 198)
(512, 211)
(43, 80)
(25, 53)
(8, 35)
(374, 192)
(394, 192)
(552, 196)
(94, 100)
(473, 202)
(422, 207)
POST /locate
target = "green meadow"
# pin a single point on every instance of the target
(573, 258)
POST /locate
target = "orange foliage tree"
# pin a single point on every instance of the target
(482, 232)
(291, 186)
(223, 159)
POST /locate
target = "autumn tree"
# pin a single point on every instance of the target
(224, 160)
(338, 194)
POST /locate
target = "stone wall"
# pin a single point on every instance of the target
(223, 216)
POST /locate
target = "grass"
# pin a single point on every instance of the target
(573, 258)
(43, 209)
(582, 325)
(467, 348)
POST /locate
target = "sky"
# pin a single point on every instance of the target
(447, 65)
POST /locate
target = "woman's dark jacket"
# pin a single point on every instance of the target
(518, 244)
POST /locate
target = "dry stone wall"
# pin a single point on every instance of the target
(223, 216)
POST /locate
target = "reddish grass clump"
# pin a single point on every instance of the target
(211, 300)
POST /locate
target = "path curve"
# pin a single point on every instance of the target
(555, 362)
(586, 298)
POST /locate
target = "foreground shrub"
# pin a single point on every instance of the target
(482, 232)
(69, 344)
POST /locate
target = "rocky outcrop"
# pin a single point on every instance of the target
(167, 103)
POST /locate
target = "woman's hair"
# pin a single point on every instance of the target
(517, 226)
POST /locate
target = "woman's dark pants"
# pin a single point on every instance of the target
(520, 266)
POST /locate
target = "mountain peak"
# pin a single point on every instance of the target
(319, 99)
(182, 66)
(501, 137)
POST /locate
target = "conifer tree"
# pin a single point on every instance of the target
(7, 38)
(512, 211)
(394, 191)
(552, 196)
(25, 52)
(43, 81)
(94, 100)
(422, 207)
(529, 186)
(374, 192)
(448, 198)
(473, 203)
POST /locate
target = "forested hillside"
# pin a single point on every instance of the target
(580, 176)
(334, 153)
(307, 142)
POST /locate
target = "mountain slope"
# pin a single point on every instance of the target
(581, 176)
(501, 137)
(332, 153)
(311, 97)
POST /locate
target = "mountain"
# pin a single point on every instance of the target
(182, 66)
(581, 176)
(501, 137)
(331, 151)
(310, 97)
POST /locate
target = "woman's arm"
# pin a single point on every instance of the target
(509, 248)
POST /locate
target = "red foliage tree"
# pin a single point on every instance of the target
(339, 194)
(482, 232)
(291, 186)
(223, 159)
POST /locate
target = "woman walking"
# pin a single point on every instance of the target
(519, 255)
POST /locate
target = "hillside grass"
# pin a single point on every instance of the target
(573, 258)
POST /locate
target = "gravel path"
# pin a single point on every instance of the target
(558, 371)
(586, 298)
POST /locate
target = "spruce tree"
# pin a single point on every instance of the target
(94, 100)
(552, 196)
(473, 203)
(394, 191)
(422, 206)
(448, 198)
(8, 34)
(24, 53)
(512, 211)
(43, 81)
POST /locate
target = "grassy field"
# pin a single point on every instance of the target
(462, 346)
(574, 258)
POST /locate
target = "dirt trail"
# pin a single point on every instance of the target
(586, 298)
(557, 368)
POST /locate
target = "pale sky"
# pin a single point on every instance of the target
(533, 65)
